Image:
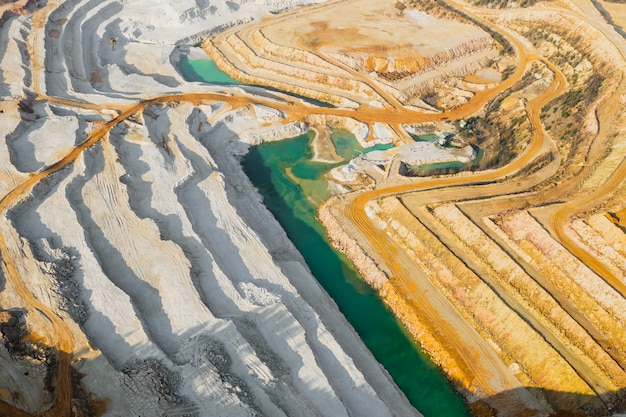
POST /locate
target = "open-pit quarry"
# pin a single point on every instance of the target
(142, 274)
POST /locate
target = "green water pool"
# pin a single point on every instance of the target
(292, 185)
(203, 70)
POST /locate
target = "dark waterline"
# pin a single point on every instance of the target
(422, 382)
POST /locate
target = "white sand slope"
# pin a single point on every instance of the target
(183, 294)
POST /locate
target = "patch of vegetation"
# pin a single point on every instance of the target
(586, 72)
(568, 113)
(502, 138)
(565, 54)
(565, 115)
(468, 130)
(504, 4)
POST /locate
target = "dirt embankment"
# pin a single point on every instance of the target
(328, 58)
(344, 239)
(241, 75)
(351, 247)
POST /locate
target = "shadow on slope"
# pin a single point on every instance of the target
(557, 404)
(153, 384)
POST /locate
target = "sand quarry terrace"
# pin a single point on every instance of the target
(373, 28)
(142, 275)
(370, 52)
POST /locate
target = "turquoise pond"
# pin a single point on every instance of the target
(292, 186)
(203, 70)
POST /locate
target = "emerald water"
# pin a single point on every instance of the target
(291, 185)
(203, 70)
(308, 174)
